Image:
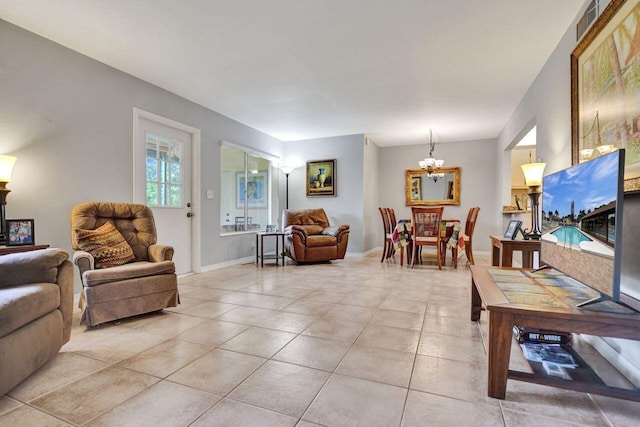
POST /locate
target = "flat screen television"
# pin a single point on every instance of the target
(582, 220)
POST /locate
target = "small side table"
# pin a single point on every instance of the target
(260, 255)
(502, 251)
(5, 250)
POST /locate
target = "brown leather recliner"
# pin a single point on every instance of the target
(308, 237)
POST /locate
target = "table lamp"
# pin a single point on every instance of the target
(533, 179)
(6, 167)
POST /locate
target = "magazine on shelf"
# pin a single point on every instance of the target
(558, 361)
(541, 336)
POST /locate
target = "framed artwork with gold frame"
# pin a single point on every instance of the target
(605, 89)
(321, 178)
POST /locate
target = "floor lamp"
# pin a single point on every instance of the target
(287, 170)
(6, 167)
(533, 179)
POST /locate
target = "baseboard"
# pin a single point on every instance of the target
(615, 358)
(218, 266)
(362, 254)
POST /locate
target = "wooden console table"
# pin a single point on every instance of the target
(502, 251)
(4, 250)
(504, 314)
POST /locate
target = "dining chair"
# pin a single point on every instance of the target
(470, 225)
(448, 229)
(386, 232)
(426, 231)
(388, 248)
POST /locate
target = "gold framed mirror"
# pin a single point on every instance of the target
(421, 189)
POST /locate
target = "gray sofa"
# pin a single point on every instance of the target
(36, 310)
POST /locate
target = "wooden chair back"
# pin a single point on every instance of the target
(384, 214)
(468, 231)
(388, 226)
(471, 221)
(426, 230)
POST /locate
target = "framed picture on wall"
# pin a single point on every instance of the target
(256, 189)
(416, 188)
(321, 178)
(512, 229)
(605, 89)
(20, 232)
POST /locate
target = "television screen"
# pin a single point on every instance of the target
(581, 219)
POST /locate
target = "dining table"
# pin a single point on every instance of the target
(450, 236)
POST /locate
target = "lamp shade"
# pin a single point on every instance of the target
(533, 173)
(286, 169)
(6, 167)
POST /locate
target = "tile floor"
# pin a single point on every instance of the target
(352, 343)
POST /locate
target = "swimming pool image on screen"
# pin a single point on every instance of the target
(578, 207)
(570, 235)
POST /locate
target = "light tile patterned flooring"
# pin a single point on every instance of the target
(352, 343)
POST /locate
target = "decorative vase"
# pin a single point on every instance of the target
(321, 177)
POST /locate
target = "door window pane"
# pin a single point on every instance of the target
(164, 166)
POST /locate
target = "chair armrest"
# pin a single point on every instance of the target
(338, 232)
(296, 230)
(84, 260)
(158, 253)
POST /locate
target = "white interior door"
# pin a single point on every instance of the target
(163, 181)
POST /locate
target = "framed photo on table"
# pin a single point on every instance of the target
(321, 178)
(512, 229)
(20, 232)
(605, 89)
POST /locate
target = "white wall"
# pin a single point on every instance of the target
(548, 105)
(68, 119)
(478, 168)
(371, 222)
(347, 206)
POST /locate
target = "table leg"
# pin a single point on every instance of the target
(476, 302)
(507, 256)
(527, 259)
(500, 336)
(262, 250)
(495, 255)
(257, 249)
(282, 237)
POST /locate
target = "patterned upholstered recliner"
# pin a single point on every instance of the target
(309, 238)
(145, 283)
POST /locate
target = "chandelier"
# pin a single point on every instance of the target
(431, 164)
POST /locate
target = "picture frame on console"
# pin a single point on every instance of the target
(20, 232)
(512, 229)
(605, 88)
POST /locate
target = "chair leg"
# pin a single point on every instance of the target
(469, 253)
(384, 249)
(439, 256)
(454, 255)
(390, 249)
(413, 255)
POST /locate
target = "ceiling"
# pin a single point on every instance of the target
(301, 69)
